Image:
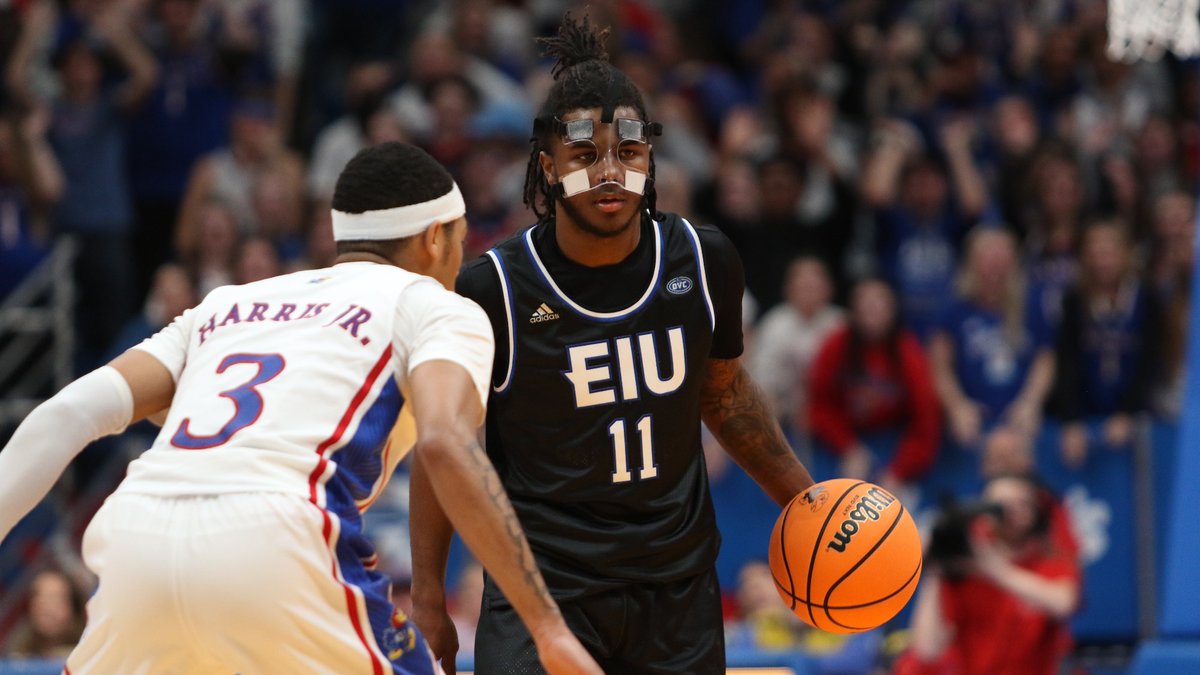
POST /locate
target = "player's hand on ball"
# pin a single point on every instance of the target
(439, 631)
(562, 654)
(851, 531)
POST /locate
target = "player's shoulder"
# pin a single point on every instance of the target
(714, 240)
(505, 250)
(478, 270)
(721, 258)
(430, 306)
(710, 236)
(480, 279)
(514, 242)
(427, 294)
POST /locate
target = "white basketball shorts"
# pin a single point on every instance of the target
(239, 583)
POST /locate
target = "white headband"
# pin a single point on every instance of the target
(399, 222)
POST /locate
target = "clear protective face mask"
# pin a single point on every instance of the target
(630, 156)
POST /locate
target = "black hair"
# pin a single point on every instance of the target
(583, 78)
(793, 164)
(365, 107)
(60, 54)
(28, 640)
(1044, 498)
(856, 346)
(387, 176)
(430, 89)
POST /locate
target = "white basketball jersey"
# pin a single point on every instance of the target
(298, 383)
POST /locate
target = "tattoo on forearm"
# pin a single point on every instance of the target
(512, 525)
(737, 412)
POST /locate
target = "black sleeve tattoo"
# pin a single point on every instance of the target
(736, 410)
(739, 415)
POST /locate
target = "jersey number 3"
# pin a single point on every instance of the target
(248, 403)
(649, 468)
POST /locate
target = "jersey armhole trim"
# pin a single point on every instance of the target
(708, 303)
(508, 317)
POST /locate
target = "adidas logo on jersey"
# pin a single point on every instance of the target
(543, 313)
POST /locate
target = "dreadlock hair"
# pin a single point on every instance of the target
(583, 78)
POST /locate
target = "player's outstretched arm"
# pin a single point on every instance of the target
(431, 534)
(98, 404)
(739, 415)
(448, 410)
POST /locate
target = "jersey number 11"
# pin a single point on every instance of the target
(621, 473)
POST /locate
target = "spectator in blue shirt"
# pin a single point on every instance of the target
(31, 183)
(1052, 232)
(185, 116)
(920, 216)
(88, 136)
(992, 357)
(1108, 344)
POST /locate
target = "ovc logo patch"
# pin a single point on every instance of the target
(679, 285)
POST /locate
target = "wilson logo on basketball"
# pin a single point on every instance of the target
(679, 285)
(869, 507)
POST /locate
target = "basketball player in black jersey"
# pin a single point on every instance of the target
(617, 333)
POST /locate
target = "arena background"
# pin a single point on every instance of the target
(763, 101)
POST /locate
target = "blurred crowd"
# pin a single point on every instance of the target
(956, 216)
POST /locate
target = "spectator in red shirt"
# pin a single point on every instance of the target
(1007, 450)
(872, 377)
(1006, 612)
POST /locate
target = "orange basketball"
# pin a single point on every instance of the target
(846, 556)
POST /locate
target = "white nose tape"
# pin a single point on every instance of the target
(578, 181)
(635, 181)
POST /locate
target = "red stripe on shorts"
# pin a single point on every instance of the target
(327, 524)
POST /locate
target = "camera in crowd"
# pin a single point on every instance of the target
(950, 542)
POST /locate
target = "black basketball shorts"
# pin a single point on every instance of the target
(640, 629)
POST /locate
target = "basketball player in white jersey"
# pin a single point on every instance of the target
(235, 543)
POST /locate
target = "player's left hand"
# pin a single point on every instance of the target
(439, 631)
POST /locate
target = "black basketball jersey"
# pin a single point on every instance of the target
(594, 420)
